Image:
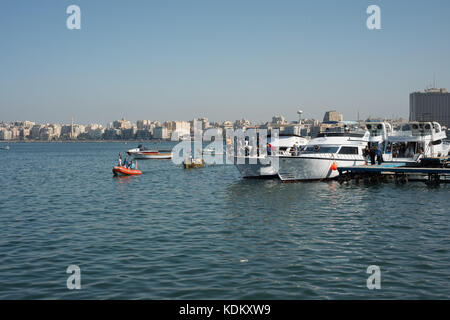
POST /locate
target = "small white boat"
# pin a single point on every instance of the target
(143, 153)
(5, 148)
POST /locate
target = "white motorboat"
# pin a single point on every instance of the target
(416, 140)
(266, 166)
(5, 148)
(142, 153)
(321, 157)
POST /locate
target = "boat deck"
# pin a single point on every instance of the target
(394, 169)
(397, 172)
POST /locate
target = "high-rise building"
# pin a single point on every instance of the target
(430, 105)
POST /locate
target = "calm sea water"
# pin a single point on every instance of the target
(208, 234)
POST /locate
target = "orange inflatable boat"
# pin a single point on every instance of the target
(122, 171)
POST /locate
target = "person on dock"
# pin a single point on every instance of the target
(366, 152)
(379, 156)
(372, 154)
(269, 149)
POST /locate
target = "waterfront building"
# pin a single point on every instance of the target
(332, 116)
(5, 134)
(178, 129)
(430, 105)
(143, 124)
(160, 133)
(112, 134)
(279, 120)
(143, 134)
(24, 133)
(129, 134)
(122, 124)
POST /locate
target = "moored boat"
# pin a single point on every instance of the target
(322, 156)
(193, 163)
(122, 171)
(143, 153)
(266, 166)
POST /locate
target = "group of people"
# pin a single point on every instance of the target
(295, 150)
(127, 164)
(374, 154)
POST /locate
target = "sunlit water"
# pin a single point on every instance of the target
(208, 234)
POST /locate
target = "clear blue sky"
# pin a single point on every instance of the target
(224, 60)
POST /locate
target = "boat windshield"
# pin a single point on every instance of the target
(320, 149)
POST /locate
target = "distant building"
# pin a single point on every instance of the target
(178, 129)
(430, 105)
(332, 116)
(143, 124)
(242, 124)
(5, 134)
(122, 124)
(160, 133)
(279, 120)
(129, 134)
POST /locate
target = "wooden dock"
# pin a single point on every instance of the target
(392, 172)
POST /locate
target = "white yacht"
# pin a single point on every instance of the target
(416, 140)
(266, 166)
(321, 157)
(379, 133)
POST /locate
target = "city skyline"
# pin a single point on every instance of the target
(223, 61)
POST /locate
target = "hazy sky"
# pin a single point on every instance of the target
(175, 60)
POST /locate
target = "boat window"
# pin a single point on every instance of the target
(348, 150)
(320, 149)
(404, 149)
(436, 143)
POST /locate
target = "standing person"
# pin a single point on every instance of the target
(379, 156)
(120, 159)
(125, 163)
(269, 149)
(246, 148)
(372, 154)
(366, 154)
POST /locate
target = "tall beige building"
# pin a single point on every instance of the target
(332, 116)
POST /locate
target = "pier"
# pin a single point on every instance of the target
(400, 173)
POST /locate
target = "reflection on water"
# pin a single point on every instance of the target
(207, 233)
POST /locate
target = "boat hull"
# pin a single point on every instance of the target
(150, 154)
(255, 167)
(121, 171)
(193, 164)
(313, 168)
